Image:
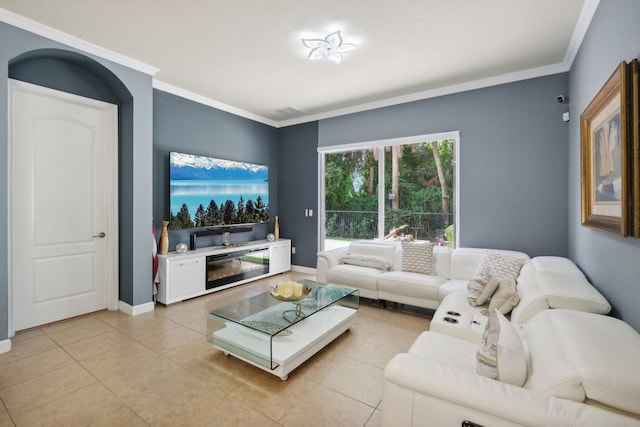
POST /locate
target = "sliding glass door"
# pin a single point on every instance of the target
(414, 200)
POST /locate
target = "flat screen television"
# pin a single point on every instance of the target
(209, 192)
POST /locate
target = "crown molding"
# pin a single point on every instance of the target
(388, 102)
(183, 93)
(433, 93)
(582, 25)
(72, 41)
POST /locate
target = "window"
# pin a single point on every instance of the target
(416, 199)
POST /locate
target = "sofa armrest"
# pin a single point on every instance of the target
(421, 392)
(328, 259)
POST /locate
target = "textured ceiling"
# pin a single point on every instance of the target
(246, 56)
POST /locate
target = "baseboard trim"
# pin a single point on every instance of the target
(301, 269)
(135, 310)
(5, 346)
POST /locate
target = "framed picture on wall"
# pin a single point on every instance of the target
(635, 147)
(606, 155)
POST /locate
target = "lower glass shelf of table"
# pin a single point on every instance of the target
(262, 330)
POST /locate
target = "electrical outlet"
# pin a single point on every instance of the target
(293, 249)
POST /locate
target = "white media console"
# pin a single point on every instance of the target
(206, 270)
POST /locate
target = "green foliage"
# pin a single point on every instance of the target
(449, 235)
(352, 204)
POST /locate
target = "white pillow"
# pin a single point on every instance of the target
(504, 298)
(366, 261)
(501, 355)
(418, 258)
(488, 291)
(501, 265)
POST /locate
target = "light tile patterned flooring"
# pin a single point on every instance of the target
(110, 369)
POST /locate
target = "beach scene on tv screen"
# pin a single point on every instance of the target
(207, 192)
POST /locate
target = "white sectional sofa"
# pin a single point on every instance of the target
(543, 282)
(581, 370)
(577, 367)
(453, 270)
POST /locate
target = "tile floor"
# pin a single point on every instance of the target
(110, 369)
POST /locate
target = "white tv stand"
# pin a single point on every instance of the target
(184, 276)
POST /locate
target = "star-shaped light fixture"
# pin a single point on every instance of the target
(331, 47)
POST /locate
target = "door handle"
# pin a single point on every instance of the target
(100, 235)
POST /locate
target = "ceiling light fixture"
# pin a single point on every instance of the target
(331, 47)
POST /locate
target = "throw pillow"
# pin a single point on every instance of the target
(501, 355)
(418, 258)
(505, 297)
(366, 261)
(476, 286)
(488, 291)
(501, 265)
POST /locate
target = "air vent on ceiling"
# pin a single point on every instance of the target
(289, 112)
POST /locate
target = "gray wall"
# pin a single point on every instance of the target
(189, 127)
(610, 262)
(298, 190)
(519, 162)
(513, 158)
(135, 168)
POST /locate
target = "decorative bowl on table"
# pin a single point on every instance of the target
(290, 291)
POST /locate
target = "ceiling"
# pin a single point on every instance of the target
(246, 56)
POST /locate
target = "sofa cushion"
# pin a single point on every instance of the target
(442, 261)
(465, 262)
(452, 286)
(501, 355)
(418, 257)
(551, 370)
(362, 260)
(353, 275)
(567, 287)
(555, 282)
(410, 284)
(444, 349)
(597, 356)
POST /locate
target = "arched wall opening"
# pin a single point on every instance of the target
(80, 75)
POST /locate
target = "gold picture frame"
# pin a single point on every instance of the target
(635, 147)
(606, 155)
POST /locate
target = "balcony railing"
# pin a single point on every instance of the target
(364, 224)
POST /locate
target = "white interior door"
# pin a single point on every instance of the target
(63, 199)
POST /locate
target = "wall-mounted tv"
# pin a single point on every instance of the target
(210, 192)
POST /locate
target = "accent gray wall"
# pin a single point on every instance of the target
(513, 158)
(298, 190)
(610, 261)
(135, 168)
(186, 126)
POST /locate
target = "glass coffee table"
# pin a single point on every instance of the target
(278, 336)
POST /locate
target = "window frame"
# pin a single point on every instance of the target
(380, 145)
